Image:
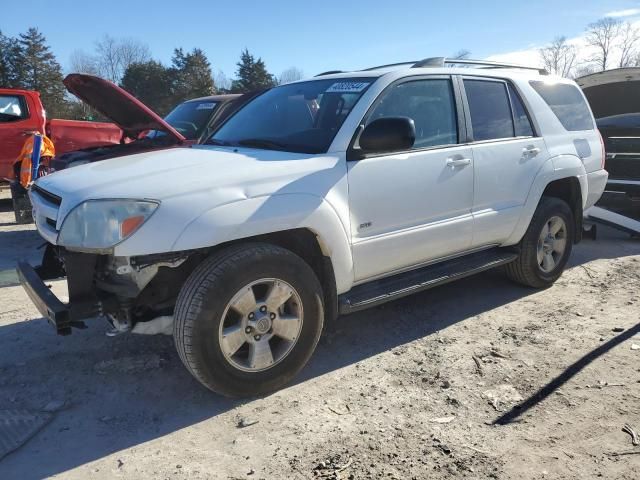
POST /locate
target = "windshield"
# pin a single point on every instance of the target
(300, 117)
(190, 118)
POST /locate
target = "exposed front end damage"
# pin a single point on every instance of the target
(123, 290)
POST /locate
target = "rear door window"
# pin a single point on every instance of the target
(567, 103)
(490, 110)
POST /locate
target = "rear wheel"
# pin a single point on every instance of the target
(546, 246)
(248, 319)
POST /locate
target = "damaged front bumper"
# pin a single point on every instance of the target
(49, 306)
(83, 303)
(123, 290)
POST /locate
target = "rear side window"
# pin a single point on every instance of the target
(567, 103)
(12, 108)
(490, 110)
(520, 117)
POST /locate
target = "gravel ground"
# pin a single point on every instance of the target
(476, 379)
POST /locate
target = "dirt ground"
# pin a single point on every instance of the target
(476, 379)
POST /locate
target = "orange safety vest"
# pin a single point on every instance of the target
(46, 150)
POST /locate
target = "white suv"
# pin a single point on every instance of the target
(319, 198)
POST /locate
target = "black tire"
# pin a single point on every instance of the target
(22, 208)
(202, 302)
(525, 269)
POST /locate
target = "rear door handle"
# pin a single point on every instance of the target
(530, 151)
(458, 162)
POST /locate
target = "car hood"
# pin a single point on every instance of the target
(208, 175)
(612, 92)
(119, 106)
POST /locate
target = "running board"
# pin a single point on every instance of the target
(611, 219)
(377, 292)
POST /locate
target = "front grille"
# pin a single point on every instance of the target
(49, 197)
(45, 212)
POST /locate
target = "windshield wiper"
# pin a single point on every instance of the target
(213, 141)
(262, 143)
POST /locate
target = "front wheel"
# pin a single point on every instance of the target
(248, 319)
(546, 246)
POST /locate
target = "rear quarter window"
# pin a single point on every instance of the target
(567, 103)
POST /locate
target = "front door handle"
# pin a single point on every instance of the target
(458, 162)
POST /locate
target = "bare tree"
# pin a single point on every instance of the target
(584, 69)
(83, 62)
(115, 55)
(629, 37)
(602, 35)
(559, 57)
(290, 75)
(132, 51)
(221, 81)
(462, 54)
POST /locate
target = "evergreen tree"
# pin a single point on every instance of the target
(192, 75)
(151, 83)
(8, 55)
(252, 74)
(36, 68)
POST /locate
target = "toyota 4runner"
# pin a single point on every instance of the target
(319, 198)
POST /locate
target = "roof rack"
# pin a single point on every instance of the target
(441, 62)
(329, 72)
(389, 65)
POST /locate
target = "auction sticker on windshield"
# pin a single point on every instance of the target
(205, 106)
(347, 87)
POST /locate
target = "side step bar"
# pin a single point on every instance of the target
(403, 284)
(612, 219)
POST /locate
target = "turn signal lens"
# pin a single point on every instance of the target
(129, 225)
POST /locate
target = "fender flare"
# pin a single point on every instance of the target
(555, 168)
(255, 216)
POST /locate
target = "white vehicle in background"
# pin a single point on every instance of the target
(319, 198)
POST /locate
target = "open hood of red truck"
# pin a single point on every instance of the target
(119, 106)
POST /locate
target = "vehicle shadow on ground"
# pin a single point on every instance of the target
(6, 205)
(143, 392)
(572, 370)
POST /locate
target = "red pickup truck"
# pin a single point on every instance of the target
(22, 113)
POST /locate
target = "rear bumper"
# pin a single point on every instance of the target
(596, 182)
(49, 306)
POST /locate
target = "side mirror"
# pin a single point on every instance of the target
(390, 134)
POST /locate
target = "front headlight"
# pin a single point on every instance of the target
(101, 224)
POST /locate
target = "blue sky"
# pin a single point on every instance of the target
(316, 36)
